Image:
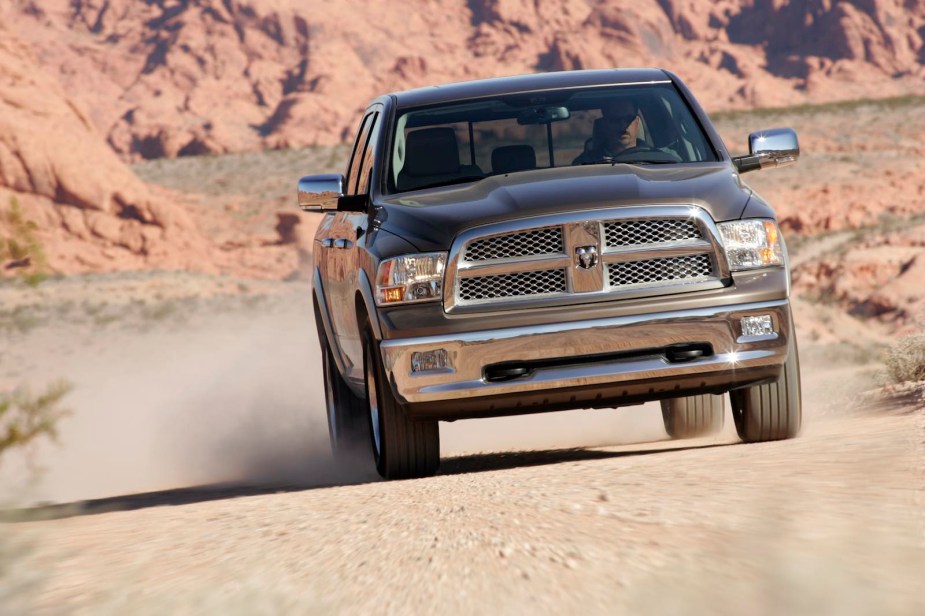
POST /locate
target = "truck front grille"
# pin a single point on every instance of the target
(638, 232)
(653, 271)
(546, 241)
(561, 259)
(543, 282)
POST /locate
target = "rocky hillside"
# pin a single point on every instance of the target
(69, 203)
(175, 77)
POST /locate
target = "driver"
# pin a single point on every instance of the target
(617, 132)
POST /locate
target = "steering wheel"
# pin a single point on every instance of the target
(645, 151)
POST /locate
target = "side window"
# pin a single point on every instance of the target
(359, 144)
(366, 164)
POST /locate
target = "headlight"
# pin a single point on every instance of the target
(751, 244)
(411, 278)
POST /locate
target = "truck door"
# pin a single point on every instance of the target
(347, 233)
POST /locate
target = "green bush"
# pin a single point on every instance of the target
(905, 360)
(24, 417)
(22, 250)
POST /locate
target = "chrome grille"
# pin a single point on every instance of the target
(512, 285)
(654, 231)
(649, 271)
(642, 251)
(545, 241)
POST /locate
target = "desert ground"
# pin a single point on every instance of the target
(193, 474)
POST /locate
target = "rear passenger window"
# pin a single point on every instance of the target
(350, 183)
(366, 164)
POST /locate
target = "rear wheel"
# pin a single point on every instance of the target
(403, 448)
(347, 426)
(773, 411)
(693, 416)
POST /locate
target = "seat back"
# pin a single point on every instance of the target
(431, 155)
(509, 158)
(597, 135)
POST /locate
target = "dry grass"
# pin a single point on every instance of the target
(21, 251)
(26, 417)
(905, 360)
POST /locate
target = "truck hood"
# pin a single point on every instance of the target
(430, 219)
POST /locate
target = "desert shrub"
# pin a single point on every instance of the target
(905, 360)
(25, 417)
(22, 250)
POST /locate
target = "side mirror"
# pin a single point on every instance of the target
(318, 193)
(777, 147)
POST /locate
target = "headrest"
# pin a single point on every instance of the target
(431, 151)
(508, 158)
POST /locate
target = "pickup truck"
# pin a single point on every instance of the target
(568, 240)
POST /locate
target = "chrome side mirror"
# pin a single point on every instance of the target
(777, 147)
(318, 193)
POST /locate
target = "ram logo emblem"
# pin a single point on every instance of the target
(586, 256)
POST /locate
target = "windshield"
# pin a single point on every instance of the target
(465, 142)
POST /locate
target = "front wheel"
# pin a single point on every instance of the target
(403, 448)
(773, 411)
(347, 426)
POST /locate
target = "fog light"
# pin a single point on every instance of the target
(760, 326)
(429, 361)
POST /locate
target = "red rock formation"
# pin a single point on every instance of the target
(91, 212)
(878, 276)
(175, 77)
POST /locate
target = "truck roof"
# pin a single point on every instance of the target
(463, 90)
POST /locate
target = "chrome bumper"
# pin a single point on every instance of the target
(470, 353)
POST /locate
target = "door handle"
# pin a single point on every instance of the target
(342, 243)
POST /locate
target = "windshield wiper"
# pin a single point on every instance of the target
(649, 161)
(640, 161)
(460, 180)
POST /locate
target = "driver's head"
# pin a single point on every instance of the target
(620, 125)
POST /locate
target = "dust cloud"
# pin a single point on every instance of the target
(231, 397)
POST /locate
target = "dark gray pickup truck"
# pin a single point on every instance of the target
(559, 241)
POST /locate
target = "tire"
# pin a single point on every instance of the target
(348, 428)
(774, 411)
(402, 448)
(693, 415)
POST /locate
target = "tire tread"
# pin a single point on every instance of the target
(772, 411)
(693, 416)
(410, 448)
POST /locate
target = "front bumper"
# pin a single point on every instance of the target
(600, 362)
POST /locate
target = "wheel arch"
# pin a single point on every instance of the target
(320, 306)
(365, 306)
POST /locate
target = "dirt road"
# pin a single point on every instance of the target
(831, 522)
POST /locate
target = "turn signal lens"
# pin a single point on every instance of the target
(751, 244)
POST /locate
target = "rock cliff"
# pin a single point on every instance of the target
(174, 77)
